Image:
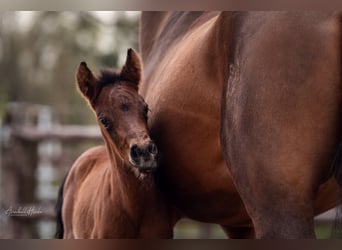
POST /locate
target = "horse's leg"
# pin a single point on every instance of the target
(277, 171)
(239, 232)
(280, 121)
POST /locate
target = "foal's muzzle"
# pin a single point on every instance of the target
(143, 156)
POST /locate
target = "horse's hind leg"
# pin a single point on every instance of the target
(281, 121)
(278, 170)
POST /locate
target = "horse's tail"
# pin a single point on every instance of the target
(59, 221)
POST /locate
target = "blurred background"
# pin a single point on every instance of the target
(45, 124)
(40, 51)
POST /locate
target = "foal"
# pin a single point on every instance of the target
(110, 191)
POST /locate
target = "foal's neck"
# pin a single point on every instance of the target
(129, 186)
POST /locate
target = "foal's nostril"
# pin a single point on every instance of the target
(145, 153)
(135, 152)
(152, 148)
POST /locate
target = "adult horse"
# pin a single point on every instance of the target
(109, 192)
(246, 114)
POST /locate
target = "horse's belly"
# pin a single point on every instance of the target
(194, 172)
(185, 124)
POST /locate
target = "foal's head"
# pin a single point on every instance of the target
(121, 111)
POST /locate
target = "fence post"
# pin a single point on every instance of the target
(19, 163)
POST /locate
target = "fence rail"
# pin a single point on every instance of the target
(64, 133)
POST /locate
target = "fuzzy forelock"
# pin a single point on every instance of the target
(108, 76)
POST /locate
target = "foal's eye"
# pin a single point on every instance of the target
(105, 122)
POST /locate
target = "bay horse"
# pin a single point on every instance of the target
(109, 192)
(247, 115)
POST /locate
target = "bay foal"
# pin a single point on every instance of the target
(109, 191)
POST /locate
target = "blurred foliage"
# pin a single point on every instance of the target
(40, 53)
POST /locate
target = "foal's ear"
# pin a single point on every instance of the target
(86, 81)
(131, 71)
